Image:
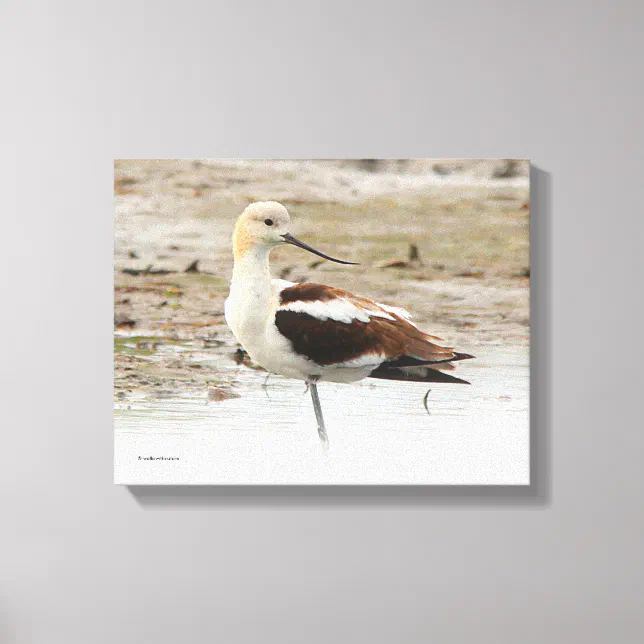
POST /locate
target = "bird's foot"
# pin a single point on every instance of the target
(425, 402)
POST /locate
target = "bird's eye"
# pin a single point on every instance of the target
(268, 222)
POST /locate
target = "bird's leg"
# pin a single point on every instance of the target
(318, 415)
(265, 385)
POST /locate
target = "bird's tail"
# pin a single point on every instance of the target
(414, 370)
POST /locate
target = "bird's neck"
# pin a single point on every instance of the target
(251, 270)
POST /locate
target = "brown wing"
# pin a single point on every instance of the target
(392, 341)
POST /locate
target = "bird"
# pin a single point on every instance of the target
(317, 333)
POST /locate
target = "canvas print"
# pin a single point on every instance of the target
(310, 322)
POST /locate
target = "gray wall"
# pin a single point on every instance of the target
(83, 561)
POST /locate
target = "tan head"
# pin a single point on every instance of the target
(267, 224)
(261, 223)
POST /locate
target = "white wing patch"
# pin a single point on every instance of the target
(403, 313)
(280, 285)
(337, 309)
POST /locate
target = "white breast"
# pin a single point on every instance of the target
(250, 314)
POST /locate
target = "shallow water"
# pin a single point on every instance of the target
(379, 431)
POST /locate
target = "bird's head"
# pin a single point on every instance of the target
(267, 224)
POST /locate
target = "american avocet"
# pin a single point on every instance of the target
(314, 332)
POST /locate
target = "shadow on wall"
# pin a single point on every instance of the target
(537, 494)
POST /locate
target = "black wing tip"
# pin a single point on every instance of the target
(426, 375)
(411, 361)
(445, 377)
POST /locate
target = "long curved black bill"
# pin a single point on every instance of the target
(289, 239)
